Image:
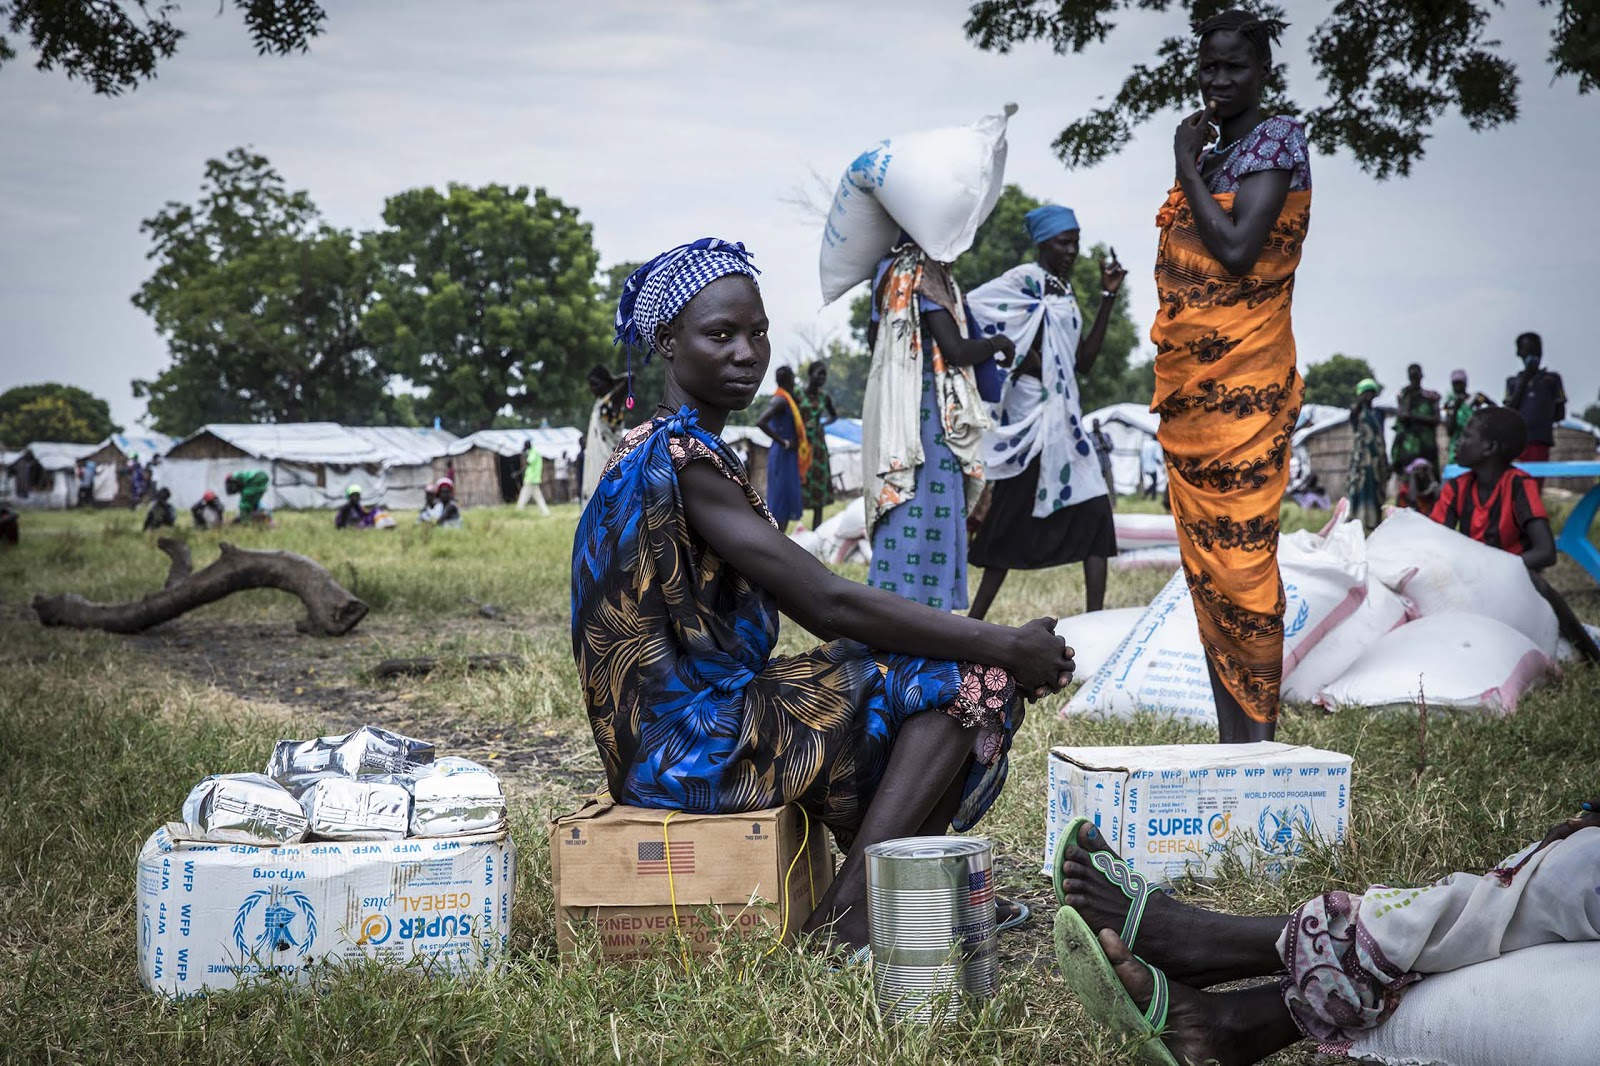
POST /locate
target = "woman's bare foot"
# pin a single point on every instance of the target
(1227, 1028)
(1190, 944)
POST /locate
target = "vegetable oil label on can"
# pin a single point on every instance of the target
(931, 922)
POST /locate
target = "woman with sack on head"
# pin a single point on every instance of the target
(678, 576)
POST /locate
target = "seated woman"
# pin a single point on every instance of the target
(1343, 960)
(678, 576)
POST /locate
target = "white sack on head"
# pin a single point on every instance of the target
(1094, 636)
(1440, 570)
(1452, 660)
(938, 185)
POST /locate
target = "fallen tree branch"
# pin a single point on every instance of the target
(331, 611)
(428, 664)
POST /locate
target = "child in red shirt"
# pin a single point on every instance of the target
(1498, 505)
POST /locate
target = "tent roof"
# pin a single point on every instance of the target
(1316, 417)
(146, 443)
(550, 442)
(329, 442)
(53, 455)
(1136, 415)
(843, 435)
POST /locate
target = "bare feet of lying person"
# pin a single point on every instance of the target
(1227, 1028)
(1192, 945)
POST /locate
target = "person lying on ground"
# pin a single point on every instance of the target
(679, 573)
(352, 515)
(1343, 960)
(251, 486)
(442, 509)
(1496, 504)
(208, 512)
(161, 513)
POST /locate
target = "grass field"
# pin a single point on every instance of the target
(101, 737)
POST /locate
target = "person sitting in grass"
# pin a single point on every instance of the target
(208, 512)
(441, 509)
(1498, 505)
(353, 515)
(250, 486)
(8, 526)
(1343, 960)
(679, 573)
(161, 513)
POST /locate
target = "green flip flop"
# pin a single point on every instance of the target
(1133, 884)
(1093, 980)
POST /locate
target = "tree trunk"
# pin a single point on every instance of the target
(330, 610)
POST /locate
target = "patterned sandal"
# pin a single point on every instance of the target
(1092, 979)
(1133, 884)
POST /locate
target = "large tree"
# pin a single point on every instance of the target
(114, 45)
(1390, 68)
(1001, 243)
(1333, 381)
(260, 303)
(489, 300)
(53, 412)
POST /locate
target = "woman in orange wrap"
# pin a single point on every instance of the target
(1226, 386)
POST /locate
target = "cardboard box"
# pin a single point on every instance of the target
(609, 868)
(1182, 808)
(214, 915)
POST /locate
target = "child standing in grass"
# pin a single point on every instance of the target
(1496, 504)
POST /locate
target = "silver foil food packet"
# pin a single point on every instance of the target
(455, 795)
(299, 764)
(243, 809)
(361, 808)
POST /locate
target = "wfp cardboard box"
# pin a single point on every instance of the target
(610, 869)
(213, 915)
(1182, 808)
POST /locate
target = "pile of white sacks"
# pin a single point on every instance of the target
(842, 538)
(1402, 616)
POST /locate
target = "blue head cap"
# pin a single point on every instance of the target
(1047, 221)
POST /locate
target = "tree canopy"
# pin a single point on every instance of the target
(115, 45)
(1001, 243)
(1389, 69)
(261, 305)
(53, 412)
(488, 299)
(1333, 381)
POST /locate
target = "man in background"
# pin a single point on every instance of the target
(1538, 396)
(532, 479)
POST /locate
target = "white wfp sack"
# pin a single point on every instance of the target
(1380, 612)
(1094, 636)
(1160, 666)
(1530, 1006)
(938, 185)
(1440, 570)
(1452, 659)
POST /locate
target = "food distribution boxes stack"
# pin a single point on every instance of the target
(356, 847)
(638, 876)
(1179, 809)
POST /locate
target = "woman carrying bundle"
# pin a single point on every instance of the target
(678, 576)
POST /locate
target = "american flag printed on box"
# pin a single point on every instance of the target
(653, 857)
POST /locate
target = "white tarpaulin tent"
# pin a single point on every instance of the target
(1128, 425)
(111, 454)
(844, 452)
(488, 463)
(311, 463)
(49, 468)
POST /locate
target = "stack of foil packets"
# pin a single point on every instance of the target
(369, 784)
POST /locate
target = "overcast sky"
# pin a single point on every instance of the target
(663, 122)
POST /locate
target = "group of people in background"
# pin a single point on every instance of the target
(1413, 462)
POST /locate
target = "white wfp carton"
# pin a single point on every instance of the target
(212, 916)
(1181, 808)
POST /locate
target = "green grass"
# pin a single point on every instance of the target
(101, 738)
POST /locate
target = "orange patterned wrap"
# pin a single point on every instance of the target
(1228, 395)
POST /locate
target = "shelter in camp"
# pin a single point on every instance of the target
(1128, 425)
(111, 484)
(44, 474)
(844, 454)
(488, 464)
(8, 482)
(311, 463)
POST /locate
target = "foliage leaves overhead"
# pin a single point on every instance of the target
(1390, 68)
(52, 412)
(114, 45)
(488, 299)
(261, 305)
(1333, 381)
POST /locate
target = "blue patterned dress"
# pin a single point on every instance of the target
(690, 709)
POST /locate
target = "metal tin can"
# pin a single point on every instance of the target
(931, 924)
